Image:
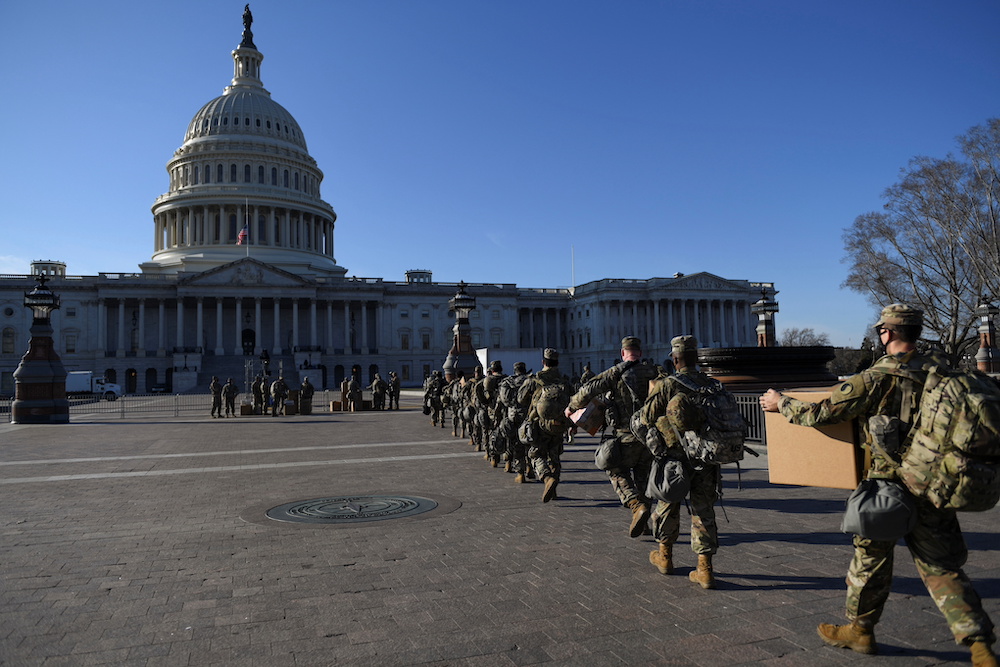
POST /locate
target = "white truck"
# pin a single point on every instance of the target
(84, 382)
(531, 356)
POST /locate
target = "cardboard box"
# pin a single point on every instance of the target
(827, 456)
(590, 418)
(245, 409)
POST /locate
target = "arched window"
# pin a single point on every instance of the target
(296, 180)
(194, 181)
(285, 183)
(246, 121)
(218, 174)
(246, 173)
(232, 173)
(7, 346)
(274, 175)
(260, 174)
(208, 174)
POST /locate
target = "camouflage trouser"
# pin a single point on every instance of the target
(544, 453)
(939, 552)
(631, 471)
(437, 411)
(704, 532)
(457, 425)
(517, 452)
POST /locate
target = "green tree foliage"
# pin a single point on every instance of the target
(936, 243)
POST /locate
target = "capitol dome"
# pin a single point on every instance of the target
(243, 184)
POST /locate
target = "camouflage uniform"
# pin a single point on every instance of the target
(432, 398)
(705, 478)
(489, 418)
(936, 544)
(279, 391)
(472, 408)
(628, 383)
(513, 415)
(306, 393)
(258, 395)
(547, 447)
(456, 403)
(216, 388)
(378, 388)
(229, 392)
(393, 390)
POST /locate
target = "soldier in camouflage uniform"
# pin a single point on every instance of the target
(511, 415)
(628, 468)
(216, 388)
(432, 398)
(490, 415)
(545, 450)
(587, 375)
(470, 414)
(936, 544)
(456, 402)
(680, 416)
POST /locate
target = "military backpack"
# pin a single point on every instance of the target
(951, 455)
(723, 431)
(548, 406)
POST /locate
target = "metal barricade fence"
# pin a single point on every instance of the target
(749, 405)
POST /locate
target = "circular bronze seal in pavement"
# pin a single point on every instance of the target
(349, 510)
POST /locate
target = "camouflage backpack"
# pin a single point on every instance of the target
(953, 457)
(509, 388)
(723, 429)
(548, 406)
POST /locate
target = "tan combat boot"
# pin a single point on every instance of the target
(663, 559)
(703, 576)
(854, 636)
(550, 488)
(640, 516)
(982, 655)
(519, 479)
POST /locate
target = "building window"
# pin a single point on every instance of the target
(218, 174)
(232, 173)
(246, 173)
(496, 314)
(274, 175)
(71, 312)
(477, 339)
(7, 344)
(425, 341)
(296, 180)
(404, 341)
(194, 181)
(495, 338)
(71, 344)
(404, 314)
(260, 174)
(405, 372)
(425, 314)
(208, 174)
(285, 179)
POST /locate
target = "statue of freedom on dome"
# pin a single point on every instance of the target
(247, 33)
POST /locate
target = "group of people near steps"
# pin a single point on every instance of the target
(501, 413)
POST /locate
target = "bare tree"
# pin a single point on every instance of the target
(796, 337)
(937, 241)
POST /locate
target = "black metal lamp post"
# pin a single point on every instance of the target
(765, 309)
(40, 378)
(461, 357)
(987, 358)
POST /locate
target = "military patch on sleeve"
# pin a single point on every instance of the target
(849, 390)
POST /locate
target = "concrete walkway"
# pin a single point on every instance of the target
(145, 543)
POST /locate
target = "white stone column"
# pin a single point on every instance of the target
(697, 322)
(295, 324)
(219, 349)
(238, 348)
(329, 327)
(102, 328)
(347, 327)
(180, 322)
(364, 328)
(161, 350)
(142, 328)
(657, 332)
(277, 326)
(312, 323)
(256, 326)
(120, 351)
(199, 334)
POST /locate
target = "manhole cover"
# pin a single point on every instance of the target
(351, 509)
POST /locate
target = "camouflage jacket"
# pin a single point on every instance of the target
(875, 391)
(628, 384)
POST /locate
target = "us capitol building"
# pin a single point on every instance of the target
(204, 305)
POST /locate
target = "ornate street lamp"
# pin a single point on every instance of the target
(40, 378)
(461, 357)
(765, 309)
(987, 358)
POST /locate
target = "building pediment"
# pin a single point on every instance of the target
(244, 273)
(706, 281)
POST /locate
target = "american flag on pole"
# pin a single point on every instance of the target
(244, 235)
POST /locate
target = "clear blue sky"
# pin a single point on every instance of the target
(496, 141)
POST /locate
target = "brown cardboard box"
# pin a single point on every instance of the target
(246, 409)
(827, 456)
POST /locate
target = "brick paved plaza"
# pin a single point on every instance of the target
(144, 542)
